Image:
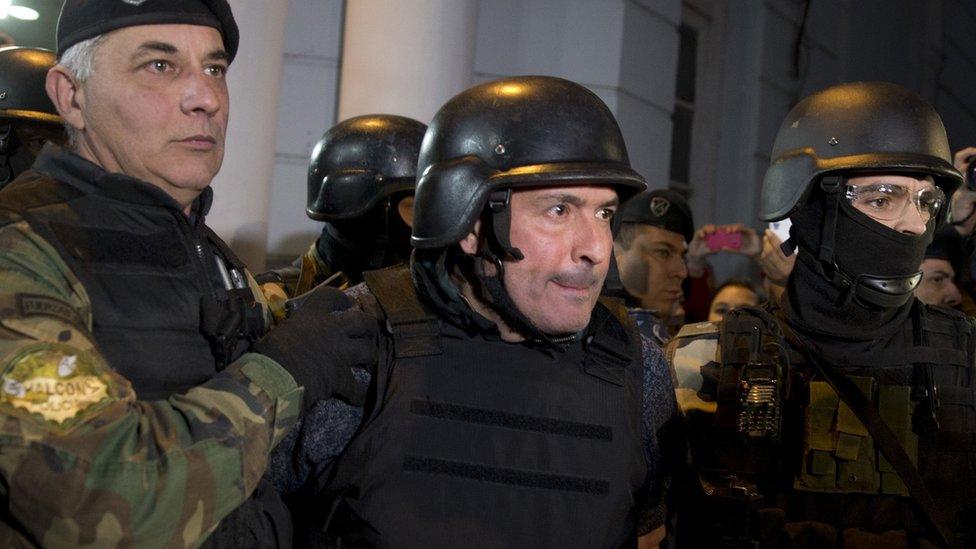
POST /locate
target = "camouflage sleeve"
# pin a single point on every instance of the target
(81, 460)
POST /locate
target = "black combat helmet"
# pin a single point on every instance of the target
(519, 132)
(23, 72)
(525, 131)
(27, 116)
(360, 162)
(856, 127)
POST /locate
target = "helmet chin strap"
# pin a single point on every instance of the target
(882, 291)
(500, 206)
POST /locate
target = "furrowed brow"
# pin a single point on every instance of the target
(562, 198)
(218, 55)
(149, 48)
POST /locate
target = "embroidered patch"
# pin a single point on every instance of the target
(39, 305)
(55, 381)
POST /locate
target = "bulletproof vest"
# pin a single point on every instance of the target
(780, 447)
(162, 314)
(471, 440)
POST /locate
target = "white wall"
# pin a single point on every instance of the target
(625, 51)
(406, 57)
(240, 211)
(306, 109)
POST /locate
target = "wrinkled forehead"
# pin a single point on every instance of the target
(936, 264)
(173, 39)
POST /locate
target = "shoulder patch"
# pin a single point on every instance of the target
(39, 305)
(59, 383)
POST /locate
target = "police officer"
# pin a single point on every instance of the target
(361, 178)
(650, 250)
(131, 416)
(845, 418)
(28, 119)
(943, 263)
(512, 406)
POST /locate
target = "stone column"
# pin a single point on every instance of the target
(243, 187)
(405, 57)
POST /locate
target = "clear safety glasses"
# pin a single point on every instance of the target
(890, 201)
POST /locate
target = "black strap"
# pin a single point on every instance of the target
(832, 186)
(499, 204)
(415, 330)
(886, 440)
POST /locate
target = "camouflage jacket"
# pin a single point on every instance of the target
(82, 461)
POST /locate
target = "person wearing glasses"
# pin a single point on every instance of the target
(842, 415)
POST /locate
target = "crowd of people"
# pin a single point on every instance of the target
(501, 337)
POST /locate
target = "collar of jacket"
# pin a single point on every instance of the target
(91, 178)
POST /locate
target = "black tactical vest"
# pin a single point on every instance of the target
(162, 315)
(821, 474)
(474, 442)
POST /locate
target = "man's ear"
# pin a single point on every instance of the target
(66, 94)
(469, 244)
(405, 209)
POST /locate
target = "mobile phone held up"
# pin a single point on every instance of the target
(722, 240)
(781, 228)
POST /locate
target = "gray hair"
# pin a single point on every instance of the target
(79, 61)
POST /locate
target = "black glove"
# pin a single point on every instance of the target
(320, 341)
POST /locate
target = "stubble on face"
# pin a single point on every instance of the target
(565, 237)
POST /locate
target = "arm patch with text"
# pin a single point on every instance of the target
(56, 383)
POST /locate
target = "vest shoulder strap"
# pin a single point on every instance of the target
(617, 307)
(415, 330)
(694, 358)
(35, 190)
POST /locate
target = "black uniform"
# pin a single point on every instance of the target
(845, 418)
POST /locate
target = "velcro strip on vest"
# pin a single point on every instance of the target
(499, 475)
(159, 250)
(415, 330)
(481, 416)
(920, 354)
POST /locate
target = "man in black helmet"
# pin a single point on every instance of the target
(650, 249)
(28, 119)
(131, 414)
(361, 177)
(846, 417)
(512, 406)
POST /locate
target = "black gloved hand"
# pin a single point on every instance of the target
(320, 341)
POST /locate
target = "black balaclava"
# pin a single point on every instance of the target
(842, 305)
(375, 240)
